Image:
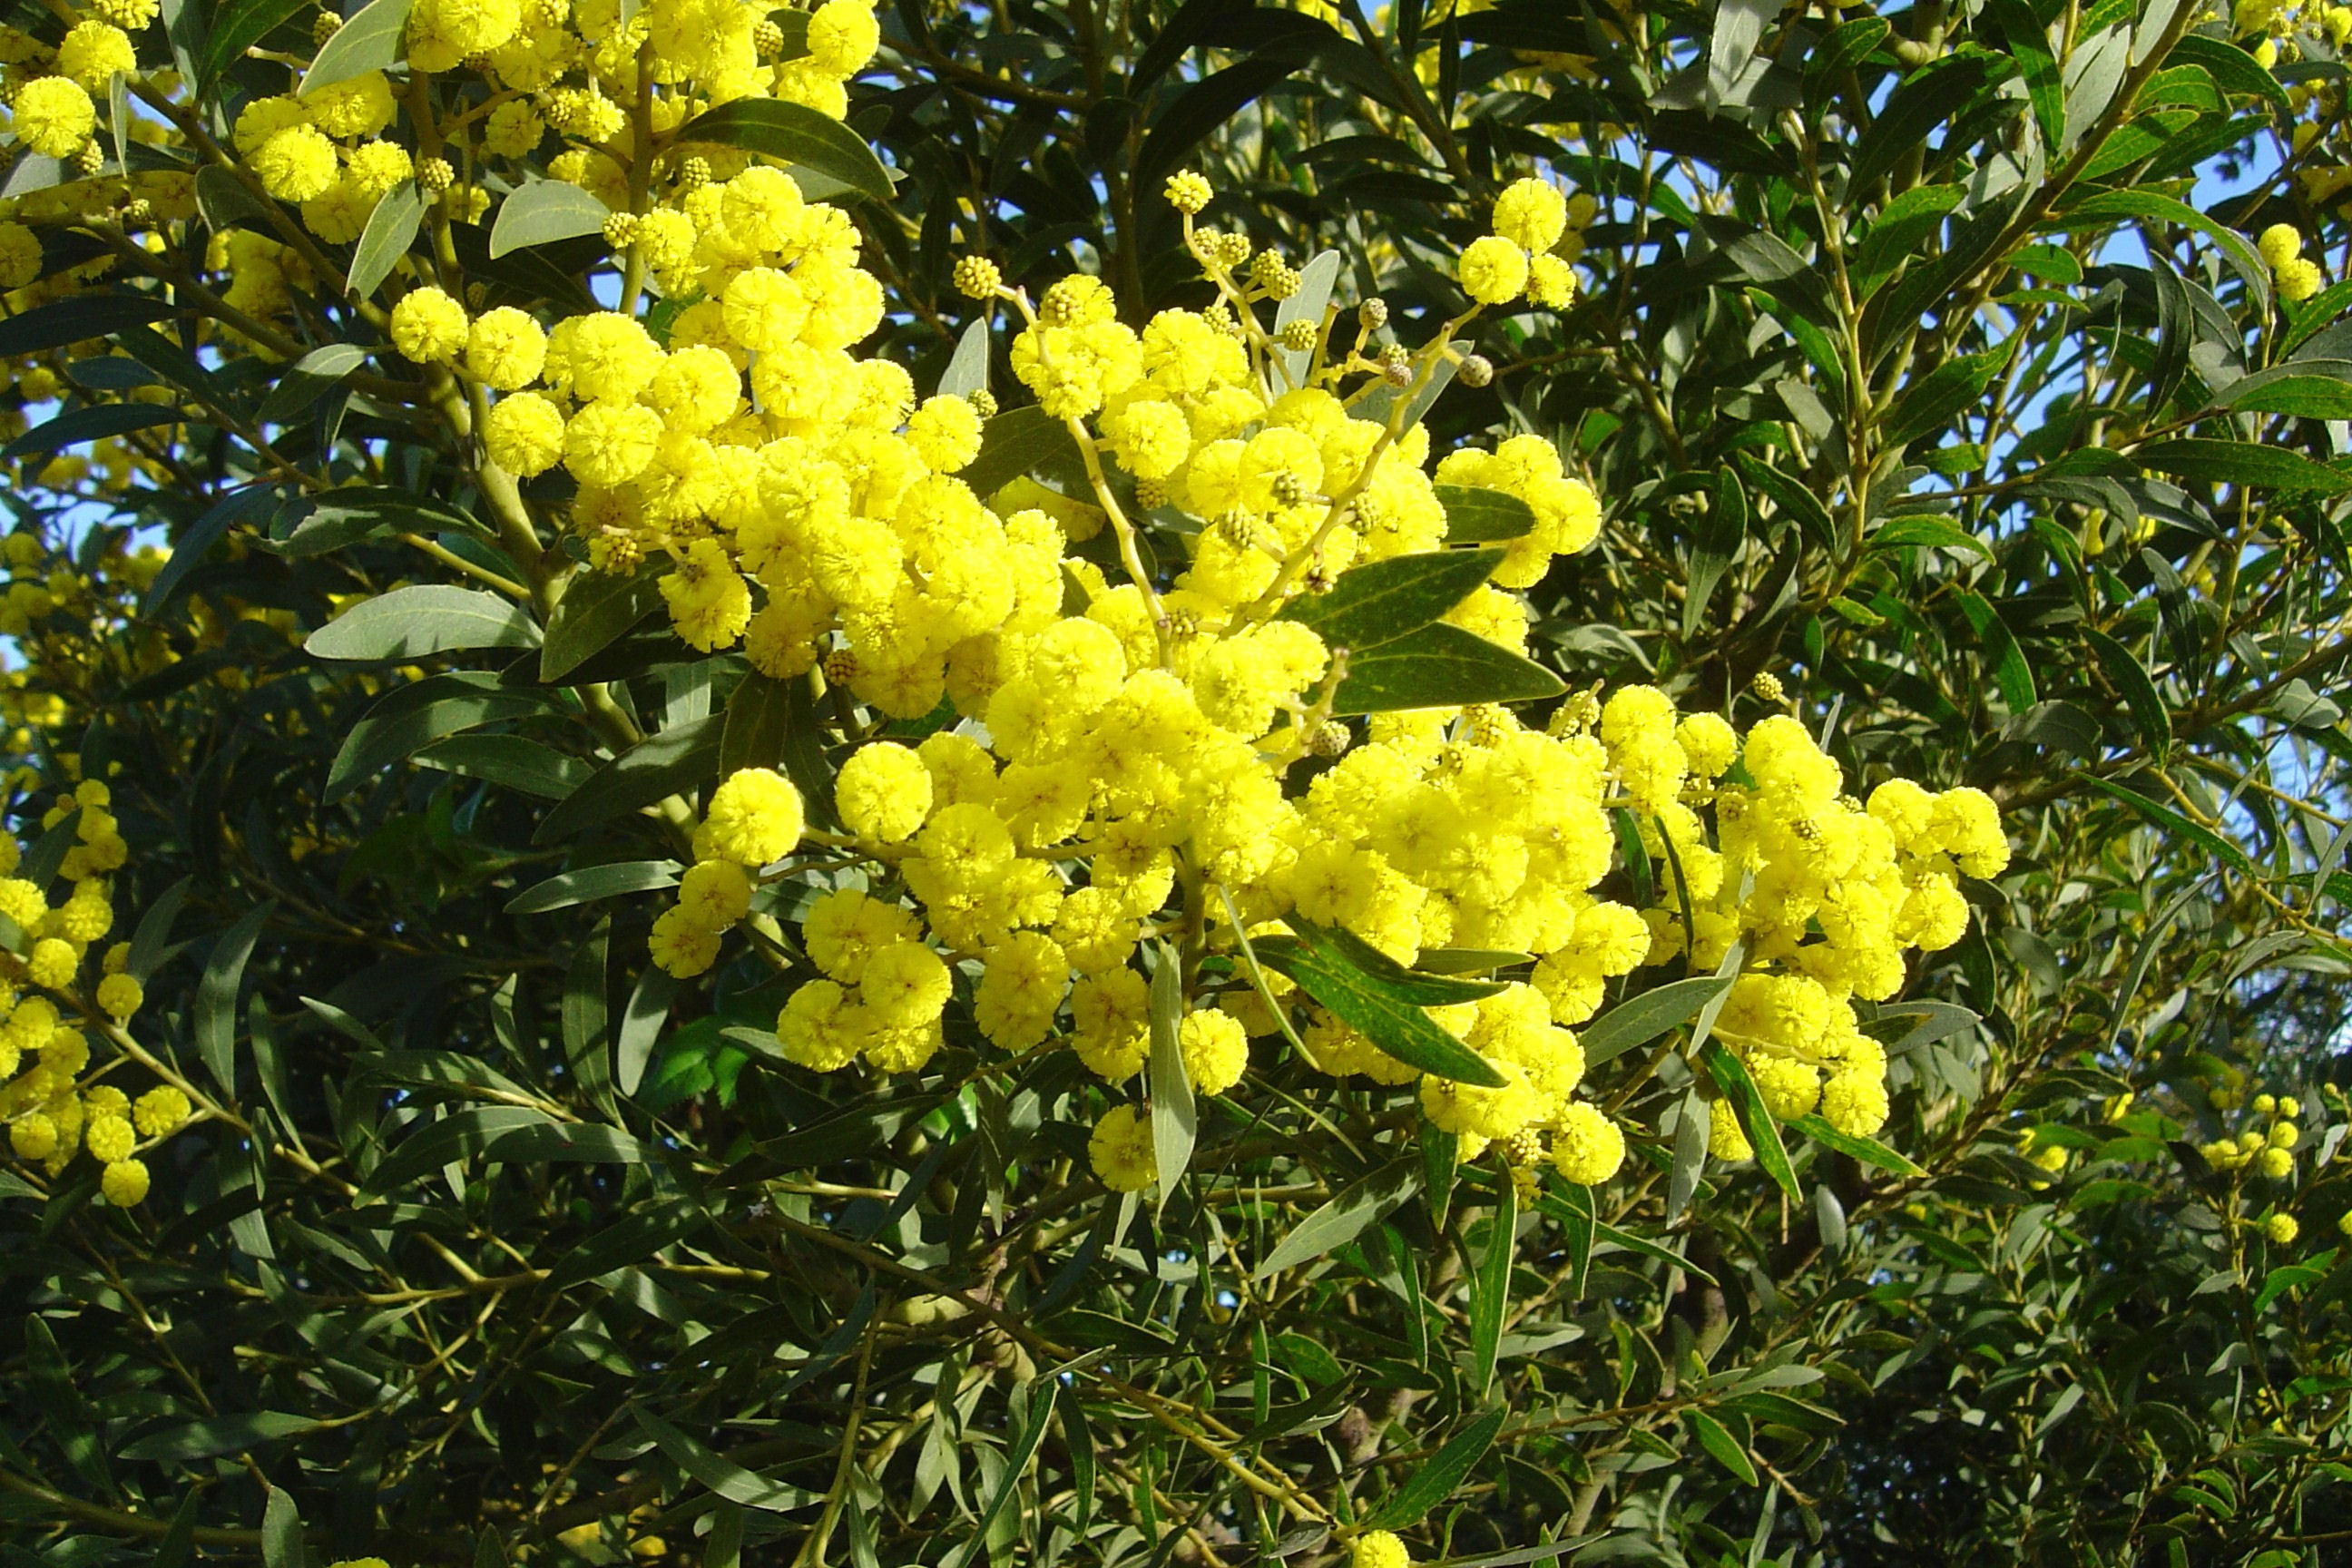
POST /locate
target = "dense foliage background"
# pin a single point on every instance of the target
(1925, 363)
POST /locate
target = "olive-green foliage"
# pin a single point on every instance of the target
(1915, 370)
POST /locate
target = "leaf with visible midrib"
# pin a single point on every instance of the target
(2139, 693)
(391, 228)
(596, 610)
(2211, 461)
(1374, 1008)
(1474, 516)
(1440, 665)
(1435, 1481)
(1348, 1214)
(677, 759)
(220, 1434)
(1755, 1118)
(432, 617)
(807, 141)
(237, 26)
(369, 41)
(1383, 600)
(543, 212)
(1638, 1020)
(1017, 442)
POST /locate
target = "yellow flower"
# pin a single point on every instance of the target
(53, 116)
(1121, 1150)
(754, 818)
(427, 325)
(1493, 270)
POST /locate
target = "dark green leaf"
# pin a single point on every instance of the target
(281, 1532)
(218, 1435)
(542, 212)
(2211, 461)
(1896, 234)
(1434, 1481)
(594, 882)
(1383, 600)
(1350, 1212)
(1490, 1296)
(197, 544)
(566, 1142)
(1474, 516)
(1934, 95)
(630, 1241)
(641, 1022)
(347, 516)
(92, 424)
(431, 617)
(2011, 672)
(586, 1014)
(368, 41)
(308, 378)
(2303, 397)
(455, 1138)
(410, 717)
(2029, 46)
(77, 318)
(148, 945)
(595, 611)
(661, 766)
(1930, 533)
(1374, 1008)
(1869, 1151)
(1440, 666)
(720, 1474)
(825, 156)
(1755, 1118)
(509, 761)
(1717, 1440)
(2171, 821)
(391, 229)
(237, 26)
(2130, 678)
(2104, 207)
(1018, 442)
(216, 1017)
(1638, 1020)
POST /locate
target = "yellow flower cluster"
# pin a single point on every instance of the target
(51, 1096)
(2298, 278)
(2268, 1149)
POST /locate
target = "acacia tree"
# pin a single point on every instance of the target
(1178, 782)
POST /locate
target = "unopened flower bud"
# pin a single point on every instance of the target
(976, 277)
(1475, 370)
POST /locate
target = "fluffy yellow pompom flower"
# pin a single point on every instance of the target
(54, 116)
(20, 256)
(120, 995)
(2282, 1228)
(1551, 283)
(946, 433)
(609, 444)
(427, 325)
(1531, 215)
(1494, 270)
(884, 792)
(2299, 279)
(842, 37)
(681, 943)
(2280, 243)
(1377, 1549)
(159, 1111)
(296, 164)
(524, 433)
(53, 962)
(1587, 1148)
(709, 603)
(33, 1137)
(754, 818)
(715, 893)
(1121, 1150)
(124, 1182)
(904, 985)
(92, 52)
(505, 349)
(1216, 1050)
(109, 1138)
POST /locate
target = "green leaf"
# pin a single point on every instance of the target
(566, 1142)
(1423, 989)
(2011, 672)
(1037, 1416)
(2029, 46)
(50, 850)
(227, 203)
(391, 229)
(542, 212)
(1173, 1124)
(2232, 70)
(1931, 404)
(410, 717)
(194, 546)
(77, 318)
(310, 377)
(1490, 1295)
(2303, 397)
(1691, 1129)
(455, 1137)
(1306, 303)
(1928, 532)
(1912, 112)
(237, 26)
(177, 1548)
(1717, 1439)
(591, 883)
(432, 617)
(2171, 821)
(1440, 665)
(1434, 1481)
(759, 724)
(96, 423)
(2291, 1277)
(1638, 1020)
(2103, 207)
(509, 761)
(1869, 1151)
(2211, 461)
(967, 371)
(596, 611)
(1897, 233)
(825, 156)
(218, 1435)
(1383, 600)
(1374, 1008)
(586, 1017)
(641, 1022)
(658, 766)
(62, 1404)
(154, 934)
(629, 1241)
(216, 1017)
(1351, 1211)
(1474, 516)
(368, 41)
(281, 1532)
(2130, 676)
(720, 1474)
(347, 516)
(1755, 1118)
(1017, 442)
